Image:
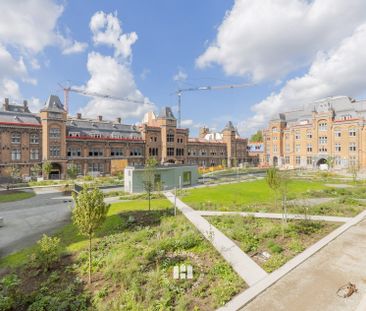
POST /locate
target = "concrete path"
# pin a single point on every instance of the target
(25, 221)
(339, 185)
(241, 263)
(311, 285)
(277, 216)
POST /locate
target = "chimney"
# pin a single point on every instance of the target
(118, 120)
(78, 115)
(25, 105)
(100, 118)
(6, 104)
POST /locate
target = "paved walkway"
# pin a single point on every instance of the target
(312, 286)
(241, 262)
(277, 216)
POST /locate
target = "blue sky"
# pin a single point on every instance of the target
(285, 48)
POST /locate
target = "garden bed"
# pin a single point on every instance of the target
(134, 255)
(268, 242)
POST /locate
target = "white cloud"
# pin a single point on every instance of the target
(181, 75)
(74, 47)
(187, 123)
(144, 74)
(9, 88)
(109, 76)
(106, 29)
(338, 72)
(270, 38)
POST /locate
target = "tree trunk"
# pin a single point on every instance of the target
(149, 200)
(90, 262)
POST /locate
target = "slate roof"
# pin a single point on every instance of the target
(19, 118)
(53, 103)
(87, 127)
(166, 113)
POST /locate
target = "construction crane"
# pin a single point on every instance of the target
(205, 88)
(69, 89)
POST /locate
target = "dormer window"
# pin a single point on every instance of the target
(74, 134)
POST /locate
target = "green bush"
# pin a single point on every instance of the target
(47, 253)
(274, 247)
(274, 262)
(304, 227)
(9, 292)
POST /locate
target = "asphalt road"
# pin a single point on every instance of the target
(25, 221)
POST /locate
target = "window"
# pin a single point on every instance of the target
(353, 161)
(298, 159)
(274, 148)
(337, 161)
(74, 152)
(180, 140)
(15, 138)
(323, 126)
(34, 154)
(179, 152)
(15, 154)
(55, 132)
(74, 134)
(95, 152)
(287, 148)
(297, 135)
(309, 160)
(170, 151)
(170, 137)
(337, 133)
(96, 135)
(352, 147)
(323, 149)
(297, 148)
(275, 130)
(34, 139)
(309, 135)
(54, 151)
(323, 140)
(96, 167)
(309, 148)
(352, 132)
(115, 152)
(338, 147)
(136, 152)
(153, 151)
(287, 160)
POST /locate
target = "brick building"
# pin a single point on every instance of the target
(331, 130)
(93, 145)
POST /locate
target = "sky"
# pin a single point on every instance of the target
(290, 52)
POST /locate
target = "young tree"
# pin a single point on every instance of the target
(46, 169)
(149, 177)
(330, 163)
(273, 181)
(284, 180)
(36, 170)
(257, 137)
(72, 171)
(354, 168)
(89, 214)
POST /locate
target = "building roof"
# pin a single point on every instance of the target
(88, 127)
(19, 118)
(53, 103)
(166, 113)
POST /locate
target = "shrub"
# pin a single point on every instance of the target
(274, 262)
(274, 247)
(9, 292)
(48, 252)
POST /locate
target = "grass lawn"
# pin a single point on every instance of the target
(133, 258)
(256, 235)
(11, 196)
(232, 196)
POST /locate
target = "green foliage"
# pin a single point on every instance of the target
(306, 227)
(9, 292)
(149, 177)
(36, 169)
(274, 247)
(273, 179)
(274, 262)
(257, 137)
(47, 252)
(46, 168)
(89, 214)
(72, 171)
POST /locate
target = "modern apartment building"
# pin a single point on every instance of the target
(94, 145)
(330, 130)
